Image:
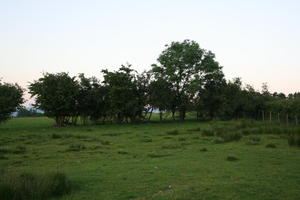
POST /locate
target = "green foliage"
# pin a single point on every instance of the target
(253, 140)
(172, 132)
(10, 99)
(29, 186)
(271, 145)
(76, 147)
(203, 149)
(185, 68)
(56, 95)
(232, 158)
(126, 94)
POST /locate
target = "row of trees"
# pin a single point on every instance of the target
(185, 79)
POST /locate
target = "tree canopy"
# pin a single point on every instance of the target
(10, 99)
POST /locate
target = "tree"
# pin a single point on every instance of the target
(92, 102)
(56, 94)
(186, 67)
(10, 99)
(161, 96)
(125, 95)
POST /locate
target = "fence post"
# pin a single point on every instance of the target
(278, 117)
(270, 116)
(296, 119)
(287, 119)
(263, 115)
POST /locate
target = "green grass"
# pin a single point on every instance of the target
(159, 161)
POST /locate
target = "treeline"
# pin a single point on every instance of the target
(186, 79)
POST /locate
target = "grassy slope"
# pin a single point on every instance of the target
(131, 166)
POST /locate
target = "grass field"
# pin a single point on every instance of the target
(160, 161)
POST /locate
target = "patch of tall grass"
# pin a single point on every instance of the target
(31, 186)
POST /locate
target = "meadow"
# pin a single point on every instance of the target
(188, 160)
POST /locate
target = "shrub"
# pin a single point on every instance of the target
(146, 139)
(171, 146)
(271, 145)
(56, 136)
(233, 136)
(208, 132)
(194, 129)
(104, 142)
(173, 132)
(20, 149)
(76, 147)
(218, 140)
(253, 140)
(203, 149)
(122, 152)
(3, 157)
(155, 155)
(29, 186)
(232, 158)
(181, 139)
(196, 138)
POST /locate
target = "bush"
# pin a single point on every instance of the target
(29, 186)
(253, 140)
(218, 140)
(232, 158)
(171, 146)
(194, 129)
(208, 132)
(203, 149)
(18, 150)
(271, 145)
(173, 132)
(76, 147)
(146, 139)
(233, 136)
(182, 139)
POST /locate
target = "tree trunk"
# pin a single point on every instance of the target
(160, 115)
(150, 114)
(173, 114)
(182, 113)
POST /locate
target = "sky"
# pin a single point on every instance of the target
(256, 40)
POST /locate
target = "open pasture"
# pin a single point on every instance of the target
(160, 161)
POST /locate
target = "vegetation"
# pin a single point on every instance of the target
(199, 157)
(153, 160)
(186, 79)
(10, 99)
(31, 186)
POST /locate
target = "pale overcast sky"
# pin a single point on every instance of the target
(257, 40)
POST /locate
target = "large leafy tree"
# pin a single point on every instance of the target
(125, 94)
(56, 94)
(10, 99)
(161, 96)
(187, 67)
(92, 99)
